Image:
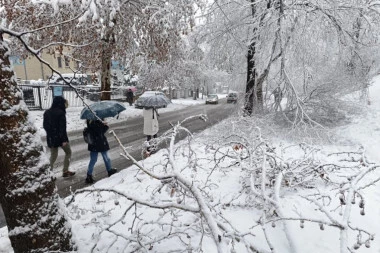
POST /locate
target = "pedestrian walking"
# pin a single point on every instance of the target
(277, 93)
(98, 144)
(130, 97)
(150, 126)
(54, 123)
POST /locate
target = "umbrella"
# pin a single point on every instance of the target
(156, 101)
(102, 109)
(132, 88)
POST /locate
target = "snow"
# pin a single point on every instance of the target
(94, 215)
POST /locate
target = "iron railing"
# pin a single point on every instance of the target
(40, 97)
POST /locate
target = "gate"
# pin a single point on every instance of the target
(32, 96)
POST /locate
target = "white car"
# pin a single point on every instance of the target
(212, 99)
(138, 102)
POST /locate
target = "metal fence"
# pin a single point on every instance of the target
(40, 97)
(32, 96)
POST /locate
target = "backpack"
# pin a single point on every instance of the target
(87, 135)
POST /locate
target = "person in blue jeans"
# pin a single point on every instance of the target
(98, 144)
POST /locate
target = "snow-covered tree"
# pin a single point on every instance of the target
(93, 32)
(28, 196)
(183, 69)
(275, 37)
(125, 30)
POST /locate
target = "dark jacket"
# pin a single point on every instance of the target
(99, 141)
(55, 123)
(130, 96)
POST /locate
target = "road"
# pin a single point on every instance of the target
(131, 135)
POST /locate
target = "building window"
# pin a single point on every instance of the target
(59, 59)
(67, 62)
(16, 60)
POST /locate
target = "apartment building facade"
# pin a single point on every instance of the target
(32, 69)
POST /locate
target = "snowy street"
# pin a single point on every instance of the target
(128, 130)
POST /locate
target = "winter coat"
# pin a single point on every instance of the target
(99, 141)
(130, 96)
(150, 121)
(54, 123)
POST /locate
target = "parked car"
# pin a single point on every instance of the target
(138, 102)
(232, 97)
(212, 99)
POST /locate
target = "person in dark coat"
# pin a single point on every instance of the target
(130, 97)
(54, 124)
(98, 144)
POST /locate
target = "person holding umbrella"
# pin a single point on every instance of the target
(94, 115)
(130, 97)
(150, 105)
(98, 144)
(150, 125)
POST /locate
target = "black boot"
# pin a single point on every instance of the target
(89, 179)
(111, 172)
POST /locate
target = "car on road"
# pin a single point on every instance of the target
(139, 101)
(212, 99)
(232, 97)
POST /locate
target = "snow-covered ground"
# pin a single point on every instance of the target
(101, 224)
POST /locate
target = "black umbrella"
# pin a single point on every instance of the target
(156, 101)
(102, 109)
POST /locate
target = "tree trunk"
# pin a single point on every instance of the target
(170, 92)
(251, 77)
(355, 60)
(28, 195)
(108, 44)
(254, 89)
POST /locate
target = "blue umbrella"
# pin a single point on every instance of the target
(102, 109)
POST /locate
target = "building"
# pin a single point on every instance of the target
(32, 69)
